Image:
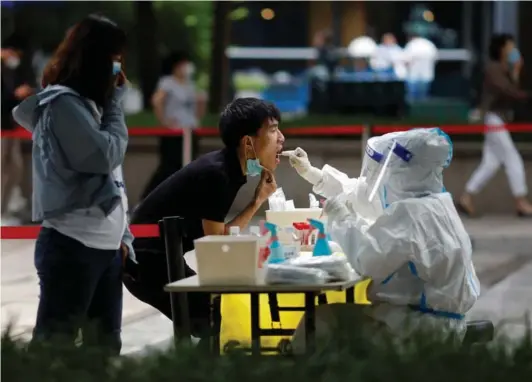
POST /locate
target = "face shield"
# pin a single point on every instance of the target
(378, 159)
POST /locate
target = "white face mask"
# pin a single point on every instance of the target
(190, 69)
(12, 62)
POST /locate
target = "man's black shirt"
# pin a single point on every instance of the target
(204, 189)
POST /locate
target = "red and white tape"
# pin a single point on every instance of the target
(32, 231)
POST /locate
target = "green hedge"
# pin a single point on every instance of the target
(147, 119)
(357, 358)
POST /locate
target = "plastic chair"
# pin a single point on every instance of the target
(172, 231)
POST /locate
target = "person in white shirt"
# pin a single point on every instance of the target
(420, 55)
(389, 57)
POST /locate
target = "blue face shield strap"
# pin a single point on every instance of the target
(402, 152)
(375, 155)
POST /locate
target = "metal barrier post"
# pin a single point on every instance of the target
(173, 232)
(187, 146)
(366, 134)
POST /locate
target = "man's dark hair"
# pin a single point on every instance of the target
(173, 59)
(84, 59)
(245, 116)
(498, 42)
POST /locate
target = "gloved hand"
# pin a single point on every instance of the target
(335, 209)
(298, 159)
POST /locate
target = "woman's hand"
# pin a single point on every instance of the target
(125, 252)
(121, 79)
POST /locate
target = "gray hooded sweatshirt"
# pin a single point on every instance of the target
(74, 153)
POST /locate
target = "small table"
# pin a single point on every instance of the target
(192, 284)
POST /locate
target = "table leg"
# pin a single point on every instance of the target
(255, 323)
(216, 321)
(310, 322)
(180, 317)
(350, 295)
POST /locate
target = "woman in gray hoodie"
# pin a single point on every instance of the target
(79, 143)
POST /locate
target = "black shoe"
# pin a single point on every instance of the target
(524, 215)
(463, 210)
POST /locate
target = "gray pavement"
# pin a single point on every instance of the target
(503, 259)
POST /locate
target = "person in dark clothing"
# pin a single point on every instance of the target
(18, 82)
(202, 194)
(177, 105)
(500, 93)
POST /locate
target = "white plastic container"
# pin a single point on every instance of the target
(228, 260)
(287, 218)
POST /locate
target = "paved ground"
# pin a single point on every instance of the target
(503, 259)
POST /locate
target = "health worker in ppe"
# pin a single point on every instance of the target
(330, 182)
(417, 252)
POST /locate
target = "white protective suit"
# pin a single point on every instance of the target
(332, 183)
(417, 251)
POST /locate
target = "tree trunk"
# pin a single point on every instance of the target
(148, 58)
(219, 71)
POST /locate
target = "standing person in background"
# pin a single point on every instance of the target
(499, 93)
(420, 55)
(18, 82)
(177, 105)
(327, 56)
(389, 57)
(79, 143)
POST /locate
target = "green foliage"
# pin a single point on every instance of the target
(185, 25)
(147, 119)
(180, 25)
(353, 357)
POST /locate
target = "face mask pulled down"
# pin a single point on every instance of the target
(253, 166)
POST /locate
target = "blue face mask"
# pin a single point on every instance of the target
(253, 166)
(117, 67)
(514, 56)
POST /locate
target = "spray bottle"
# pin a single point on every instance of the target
(321, 248)
(276, 249)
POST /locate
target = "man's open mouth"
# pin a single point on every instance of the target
(278, 155)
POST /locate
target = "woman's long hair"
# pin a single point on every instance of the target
(84, 59)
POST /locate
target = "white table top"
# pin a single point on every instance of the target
(192, 284)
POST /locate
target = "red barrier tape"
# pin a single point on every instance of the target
(32, 231)
(20, 133)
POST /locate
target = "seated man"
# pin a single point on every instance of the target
(417, 251)
(202, 194)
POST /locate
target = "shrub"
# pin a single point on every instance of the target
(351, 358)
